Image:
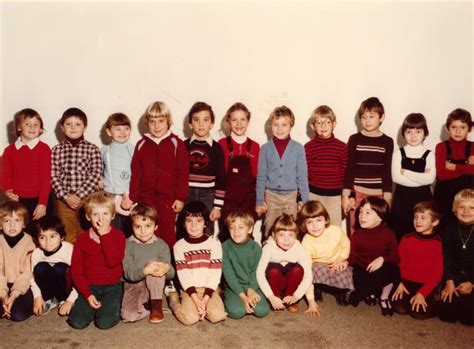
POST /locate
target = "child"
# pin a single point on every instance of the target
(282, 171)
(50, 263)
(96, 266)
(284, 270)
(328, 248)
(373, 256)
(26, 166)
(454, 162)
(206, 162)
(116, 159)
(413, 171)
(16, 299)
(458, 250)
(369, 162)
(241, 256)
(198, 259)
(146, 265)
(241, 161)
(421, 265)
(327, 160)
(76, 171)
(160, 168)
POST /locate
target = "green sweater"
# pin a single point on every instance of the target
(240, 265)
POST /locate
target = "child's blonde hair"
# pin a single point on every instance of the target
(462, 195)
(285, 222)
(280, 112)
(312, 209)
(10, 207)
(99, 198)
(158, 110)
(145, 211)
(323, 111)
(244, 216)
(24, 114)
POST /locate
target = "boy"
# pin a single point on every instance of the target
(421, 265)
(96, 266)
(146, 266)
(199, 267)
(282, 171)
(326, 157)
(241, 256)
(454, 161)
(76, 171)
(116, 159)
(206, 163)
(16, 299)
(160, 168)
(369, 161)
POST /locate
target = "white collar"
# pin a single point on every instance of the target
(158, 140)
(31, 144)
(238, 139)
(209, 139)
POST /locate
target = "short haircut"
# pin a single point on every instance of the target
(285, 222)
(415, 120)
(145, 211)
(10, 207)
(234, 107)
(323, 111)
(463, 195)
(312, 209)
(199, 107)
(379, 205)
(280, 112)
(99, 198)
(372, 104)
(117, 119)
(195, 209)
(158, 110)
(50, 223)
(244, 216)
(24, 114)
(459, 115)
(428, 206)
(76, 113)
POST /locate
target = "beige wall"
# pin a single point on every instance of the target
(105, 57)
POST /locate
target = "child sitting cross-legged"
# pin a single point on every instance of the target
(146, 267)
(241, 256)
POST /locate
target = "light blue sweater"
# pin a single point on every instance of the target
(116, 159)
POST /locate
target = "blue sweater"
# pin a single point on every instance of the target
(284, 175)
(116, 159)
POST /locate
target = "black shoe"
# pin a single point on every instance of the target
(318, 294)
(350, 298)
(371, 300)
(341, 298)
(386, 307)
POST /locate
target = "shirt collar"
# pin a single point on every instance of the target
(31, 144)
(208, 140)
(152, 240)
(158, 140)
(238, 139)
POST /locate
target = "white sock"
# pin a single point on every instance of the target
(386, 291)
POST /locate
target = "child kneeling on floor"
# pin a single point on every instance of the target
(146, 267)
(241, 256)
(284, 271)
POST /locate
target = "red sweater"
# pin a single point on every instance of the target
(368, 244)
(421, 260)
(97, 264)
(159, 171)
(27, 171)
(458, 150)
(241, 149)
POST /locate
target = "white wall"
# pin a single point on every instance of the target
(104, 57)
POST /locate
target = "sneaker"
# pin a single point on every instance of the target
(170, 289)
(156, 311)
(49, 305)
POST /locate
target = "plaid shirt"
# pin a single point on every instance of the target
(75, 169)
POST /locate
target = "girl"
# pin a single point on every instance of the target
(373, 255)
(458, 251)
(413, 171)
(328, 248)
(241, 162)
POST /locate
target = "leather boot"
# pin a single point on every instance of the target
(156, 311)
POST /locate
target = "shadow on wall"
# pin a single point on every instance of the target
(11, 132)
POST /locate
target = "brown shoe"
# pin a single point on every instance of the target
(156, 311)
(293, 308)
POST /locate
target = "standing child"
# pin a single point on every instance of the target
(369, 162)
(160, 170)
(454, 162)
(421, 265)
(282, 171)
(413, 171)
(16, 299)
(328, 248)
(26, 166)
(241, 256)
(458, 250)
(241, 161)
(206, 163)
(96, 266)
(50, 262)
(373, 256)
(327, 160)
(146, 266)
(284, 270)
(116, 159)
(76, 171)
(198, 259)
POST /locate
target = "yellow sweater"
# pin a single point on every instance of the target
(331, 245)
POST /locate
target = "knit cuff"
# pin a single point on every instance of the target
(208, 292)
(191, 290)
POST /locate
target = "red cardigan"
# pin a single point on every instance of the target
(458, 152)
